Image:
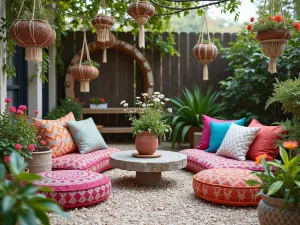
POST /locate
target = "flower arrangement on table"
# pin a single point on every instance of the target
(149, 121)
(17, 133)
(97, 103)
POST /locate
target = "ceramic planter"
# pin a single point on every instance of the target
(146, 143)
(270, 212)
(99, 106)
(40, 162)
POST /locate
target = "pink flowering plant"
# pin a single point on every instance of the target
(18, 133)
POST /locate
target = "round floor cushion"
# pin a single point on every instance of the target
(226, 186)
(76, 188)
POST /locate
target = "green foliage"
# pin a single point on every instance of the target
(247, 90)
(268, 22)
(284, 182)
(20, 203)
(151, 115)
(187, 112)
(91, 63)
(67, 105)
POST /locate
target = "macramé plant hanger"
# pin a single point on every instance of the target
(33, 34)
(205, 51)
(84, 72)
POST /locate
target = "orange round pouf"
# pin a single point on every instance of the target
(226, 186)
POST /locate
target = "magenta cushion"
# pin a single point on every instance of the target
(75, 188)
(96, 161)
(204, 141)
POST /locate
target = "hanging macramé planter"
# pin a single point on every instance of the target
(205, 51)
(102, 23)
(273, 33)
(32, 34)
(141, 11)
(105, 45)
(84, 72)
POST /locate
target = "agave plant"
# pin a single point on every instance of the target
(188, 111)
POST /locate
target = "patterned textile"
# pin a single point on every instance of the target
(56, 133)
(226, 186)
(237, 141)
(75, 188)
(199, 160)
(86, 135)
(96, 161)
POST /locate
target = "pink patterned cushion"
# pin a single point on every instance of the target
(75, 188)
(201, 160)
(96, 161)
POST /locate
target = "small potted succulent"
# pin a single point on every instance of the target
(273, 32)
(97, 103)
(149, 121)
(280, 189)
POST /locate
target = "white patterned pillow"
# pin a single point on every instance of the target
(237, 141)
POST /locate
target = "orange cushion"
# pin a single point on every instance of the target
(56, 133)
(226, 186)
(264, 141)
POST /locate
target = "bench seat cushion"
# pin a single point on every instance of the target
(96, 161)
(198, 160)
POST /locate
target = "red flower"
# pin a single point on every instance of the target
(38, 124)
(252, 19)
(290, 145)
(18, 147)
(102, 100)
(262, 21)
(295, 24)
(83, 103)
(12, 109)
(31, 147)
(249, 27)
(20, 112)
(298, 27)
(278, 18)
(6, 159)
(39, 136)
(36, 112)
(77, 99)
(7, 100)
(23, 107)
(271, 18)
(43, 142)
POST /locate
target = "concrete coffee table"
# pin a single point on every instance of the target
(148, 170)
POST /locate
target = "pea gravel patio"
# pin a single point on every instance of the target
(173, 202)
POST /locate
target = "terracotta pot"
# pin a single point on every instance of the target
(102, 24)
(146, 143)
(10, 176)
(270, 212)
(190, 134)
(84, 73)
(40, 162)
(273, 34)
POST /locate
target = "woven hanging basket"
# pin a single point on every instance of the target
(85, 74)
(105, 45)
(102, 24)
(273, 44)
(141, 11)
(33, 35)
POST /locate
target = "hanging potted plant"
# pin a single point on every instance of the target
(149, 122)
(106, 45)
(85, 71)
(280, 190)
(97, 103)
(34, 34)
(273, 32)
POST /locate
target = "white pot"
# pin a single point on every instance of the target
(100, 106)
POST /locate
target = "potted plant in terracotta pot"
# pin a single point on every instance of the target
(149, 122)
(97, 103)
(280, 189)
(17, 133)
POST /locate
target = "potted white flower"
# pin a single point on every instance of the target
(97, 103)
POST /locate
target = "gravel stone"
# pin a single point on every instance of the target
(173, 202)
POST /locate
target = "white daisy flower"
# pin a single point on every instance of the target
(143, 105)
(162, 103)
(122, 102)
(169, 110)
(166, 99)
(138, 103)
(144, 94)
(125, 105)
(156, 93)
(138, 97)
(161, 96)
(156, 100)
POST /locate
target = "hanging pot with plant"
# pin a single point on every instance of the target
(205, 51)
(102, 23)
(141, 11)
(105, 45)
(273, 32)
(85, 71)
(33, 34)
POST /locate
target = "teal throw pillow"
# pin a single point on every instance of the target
(86, 135)
(218, 131)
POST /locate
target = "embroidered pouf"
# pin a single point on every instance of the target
(75, 188)
(226, 186)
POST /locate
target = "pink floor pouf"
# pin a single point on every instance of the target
(75, 188)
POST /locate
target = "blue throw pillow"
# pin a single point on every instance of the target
(86, 135)
(218, 131)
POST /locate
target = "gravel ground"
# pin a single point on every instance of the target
(173, 202)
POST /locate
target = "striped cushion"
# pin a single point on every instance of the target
(56, 133)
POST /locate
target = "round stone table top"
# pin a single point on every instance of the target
(168, 161)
